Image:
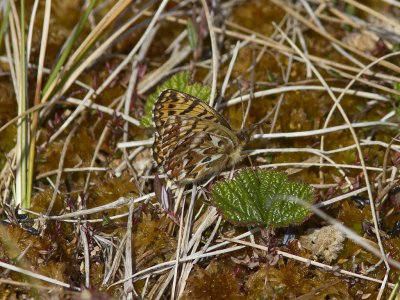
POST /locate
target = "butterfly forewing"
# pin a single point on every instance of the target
(192, 141)
(172, 102)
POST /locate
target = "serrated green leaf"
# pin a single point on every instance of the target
(180, 82)
(262, 197)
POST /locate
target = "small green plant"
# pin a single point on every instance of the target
(180, 82)
(260, 197)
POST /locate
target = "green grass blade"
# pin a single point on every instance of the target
(4, 23)
(68, 47)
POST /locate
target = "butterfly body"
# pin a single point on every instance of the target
(192, 141)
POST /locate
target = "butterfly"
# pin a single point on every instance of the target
(192, 141)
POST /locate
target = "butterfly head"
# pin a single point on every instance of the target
(244, 135)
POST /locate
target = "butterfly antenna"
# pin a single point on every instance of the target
(259, 124)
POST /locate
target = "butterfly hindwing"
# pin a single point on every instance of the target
(196, 153)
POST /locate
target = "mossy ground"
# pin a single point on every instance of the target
(246, 274)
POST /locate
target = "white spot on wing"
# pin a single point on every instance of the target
(215, 140)
(213, 158)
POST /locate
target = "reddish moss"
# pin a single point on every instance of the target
(291, 280)
(253, 15)
(217, 281)
(353, 216)
(151, 242)
(105, 190)
(39, 258)
(41, 201)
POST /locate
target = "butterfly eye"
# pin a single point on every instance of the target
(244, 136)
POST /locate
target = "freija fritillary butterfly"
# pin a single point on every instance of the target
(192, 141)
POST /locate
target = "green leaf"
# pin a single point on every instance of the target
(261, 197)
(180, 82)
